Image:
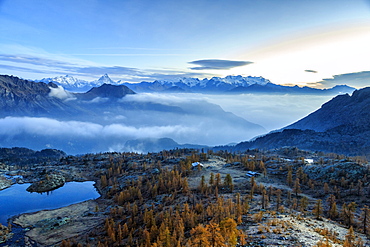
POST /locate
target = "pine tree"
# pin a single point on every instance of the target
(303, 203)
(289, 178)
(212, 179)
(350, 238)
(199, 237)
(365, 219)
(228, 182)
(215, 238)
(218, 180)
(317, 211)
(348, 213)
(296, 187)
(229, 231)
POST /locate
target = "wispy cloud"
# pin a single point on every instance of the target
(29, 59)
(42, 64)
(131, 54)
(310, 71)
(217, 64)
(358, 80)
(114, 70)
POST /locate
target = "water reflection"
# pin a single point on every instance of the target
(16, 200)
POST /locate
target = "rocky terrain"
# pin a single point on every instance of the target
(297, 198)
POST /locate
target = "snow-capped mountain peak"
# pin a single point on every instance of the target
(104, 79)
(66, 81)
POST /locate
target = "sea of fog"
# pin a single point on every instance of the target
(186, 118)
(270, 111)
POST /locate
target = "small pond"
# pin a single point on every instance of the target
(16, 200)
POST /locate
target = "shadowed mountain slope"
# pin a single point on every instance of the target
(341, 125)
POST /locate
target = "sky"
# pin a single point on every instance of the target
(291, 42)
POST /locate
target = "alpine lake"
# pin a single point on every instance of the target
(17, 200)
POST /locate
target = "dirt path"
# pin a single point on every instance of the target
(216, 165)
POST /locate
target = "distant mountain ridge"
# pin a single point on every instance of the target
(37, 115)
(20, 97)
(106, 91)
(229, 84)
(342, 125)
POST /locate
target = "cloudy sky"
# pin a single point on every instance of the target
(287, 41)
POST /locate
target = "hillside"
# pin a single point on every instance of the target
(20, 97)
(340, 125)
(351, 110)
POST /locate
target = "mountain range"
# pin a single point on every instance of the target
(41, 115)
(341, 126)
(229, 84)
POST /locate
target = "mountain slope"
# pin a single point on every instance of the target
(341, 110)
(21, 98)
(106, 91)
(341, 125)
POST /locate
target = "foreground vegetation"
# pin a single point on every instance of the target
(163, 199)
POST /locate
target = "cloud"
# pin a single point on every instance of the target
(310, 71)
(78, 129)
(28, 59)
(36, 64)
(165, 99)
(60, 93)
(357, 80)
(114, 70)
(217, 64)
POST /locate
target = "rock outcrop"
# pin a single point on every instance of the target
(50, 182)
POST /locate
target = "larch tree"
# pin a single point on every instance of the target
(318, 209)
(296, 187)
(365, 219)
(199, 236)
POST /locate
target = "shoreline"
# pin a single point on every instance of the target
(51, 227)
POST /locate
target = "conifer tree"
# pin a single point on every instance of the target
(229, 231)
(296, 187)
(365, 219)
(199, 237)
(215, 237)
(228, 182)
(317, 211)
(289, 178)
(212, 179)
